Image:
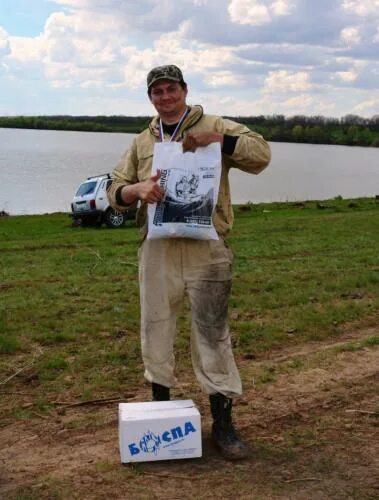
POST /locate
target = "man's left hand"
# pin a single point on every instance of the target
(201, 139)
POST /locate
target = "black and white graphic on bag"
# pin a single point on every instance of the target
(189, 197)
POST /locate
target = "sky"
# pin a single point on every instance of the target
(239, 57)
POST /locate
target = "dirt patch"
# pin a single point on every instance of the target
(348, 335)
(35, 248)
(313, 433)
(28, 283)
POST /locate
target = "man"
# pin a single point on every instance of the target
(168, 268)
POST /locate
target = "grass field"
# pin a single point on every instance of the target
(305, 296)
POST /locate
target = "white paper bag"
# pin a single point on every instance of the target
(191, 183)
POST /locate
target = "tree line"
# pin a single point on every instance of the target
(351, 130)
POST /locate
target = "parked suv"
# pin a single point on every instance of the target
(90, 204)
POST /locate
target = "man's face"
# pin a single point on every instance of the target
(168, 98)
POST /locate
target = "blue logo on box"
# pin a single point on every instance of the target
(150, 442)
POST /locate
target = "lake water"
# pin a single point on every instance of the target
(41, 169)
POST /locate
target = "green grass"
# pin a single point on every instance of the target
(69, 301)
(304, 270)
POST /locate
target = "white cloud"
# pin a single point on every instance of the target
(60, 84)
(376, 36)
(354, 69)
(256, 12)
(83, 24)
(91, 83)
(300, 103)
(284, 81)
(251, 12)
(193, 58)
(266, 105)
(83, 3)
(367, 105)
(26, 49)
(362, 7)
(346, 76)
(75, 49)
(230, 105)
(209, 58)
(281, 7)
(4, 42)
(222, 79)
(351, 35)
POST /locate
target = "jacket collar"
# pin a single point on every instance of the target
(194, 115)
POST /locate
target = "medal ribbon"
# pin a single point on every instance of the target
(176, 129)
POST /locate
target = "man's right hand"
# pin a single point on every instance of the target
(150, 191)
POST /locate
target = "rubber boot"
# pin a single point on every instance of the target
(160, 392)
(224, 435)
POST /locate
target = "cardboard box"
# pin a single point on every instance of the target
(159, 430)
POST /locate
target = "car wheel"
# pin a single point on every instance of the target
(114, 218)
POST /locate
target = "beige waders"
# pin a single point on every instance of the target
(169, 268)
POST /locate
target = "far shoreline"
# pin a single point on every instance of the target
(327, 204)
(350, 130)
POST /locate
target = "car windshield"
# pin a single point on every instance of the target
(86, 188)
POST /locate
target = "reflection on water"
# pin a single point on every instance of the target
(41, 169)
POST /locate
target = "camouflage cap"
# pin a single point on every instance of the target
(168, 72)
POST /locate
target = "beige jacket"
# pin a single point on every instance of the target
(252, 154)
